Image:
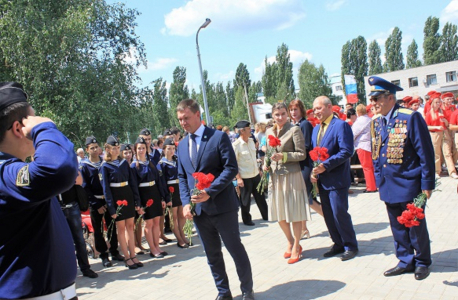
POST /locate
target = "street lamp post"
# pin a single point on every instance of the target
(207, 114)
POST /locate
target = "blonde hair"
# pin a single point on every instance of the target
(107, 156)
(361, 109)
(440, 112)
(262, 127)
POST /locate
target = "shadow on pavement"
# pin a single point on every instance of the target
(370, 227)
(300, 289)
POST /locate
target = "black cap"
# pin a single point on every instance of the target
(168, 132)
(140, 140)
(125, 147)
(113, 141)
(242, 124)
(169, 142)
(145, 131)
(11, 93)
(90, 140)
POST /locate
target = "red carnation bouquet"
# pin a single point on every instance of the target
(148, 204)
(202, 181)
(274, 142)
(414, 213)
(121, 204)
(318, 155)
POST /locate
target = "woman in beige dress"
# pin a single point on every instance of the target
(287, 195)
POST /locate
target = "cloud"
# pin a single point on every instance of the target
(335, 4)
(380, 38)
(295, 56)
(161, 63)
(225, 77)
(450, 12)
(233, 15)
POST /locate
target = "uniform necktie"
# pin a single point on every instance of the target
(194, 150)
(321, 134)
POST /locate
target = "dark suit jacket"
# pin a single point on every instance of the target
(338, 139)
(215, 156)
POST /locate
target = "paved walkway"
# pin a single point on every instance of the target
(184, 274)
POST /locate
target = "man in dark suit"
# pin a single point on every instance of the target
(403, 157)
(333, 177)
(217, 206)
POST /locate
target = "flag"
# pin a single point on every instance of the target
(350, 88)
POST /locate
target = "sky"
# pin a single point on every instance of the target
(248, 31)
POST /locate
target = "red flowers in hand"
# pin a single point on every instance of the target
(319, 154)
(149, 202)
(274, 141)
(122, 202)
(411, 216)
(119, 202)
(171, 189)
(204, 181)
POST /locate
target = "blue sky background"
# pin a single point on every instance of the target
(249, 30)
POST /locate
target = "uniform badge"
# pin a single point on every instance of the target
(100, 176)
(22, 178)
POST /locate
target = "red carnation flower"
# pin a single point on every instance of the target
(274, 141)
(125, 203)
(119, 202)
(171, 189)
(203, 180)
(149, 202)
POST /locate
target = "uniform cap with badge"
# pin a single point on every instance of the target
(140, 140)
(11, 93)
(113, 141)
(242, 124)
(90, 140)
(145, 131)
(169, 142)
(381, 86)
(125, 147)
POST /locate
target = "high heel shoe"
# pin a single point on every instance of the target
(305, 234)
(287, 255)
(139, 264)
(133, 266)
(295, 260)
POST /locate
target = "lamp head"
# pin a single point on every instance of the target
(207, 21)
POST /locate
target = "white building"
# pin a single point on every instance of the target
(419, 81)
(337, 88)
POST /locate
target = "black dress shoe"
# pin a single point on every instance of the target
(89, 273)
(164, 253)
(185, 246)
(117, 257)
(248, 295)
(333, 252)
(421, 273)
(106, 262)
(156, 256)
(226, 297)
(366, 191)
(251, 223)
(397, 271)
(349, 254)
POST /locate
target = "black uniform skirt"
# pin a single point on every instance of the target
(124, 193)
(151, 192)
(176, 200)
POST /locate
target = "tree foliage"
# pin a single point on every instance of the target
(313, 82)
(448, 50)
(178, 91)
(354, 62)
(412, 56)
(375, 61)
(394, 59)
(431, 41)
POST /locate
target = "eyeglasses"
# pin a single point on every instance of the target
(375, 99)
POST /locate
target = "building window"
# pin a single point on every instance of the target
(450, 76)
(396, 82)
(431, 79)
(338, 88)
(413, 81)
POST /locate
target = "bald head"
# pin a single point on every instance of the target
(322, 108)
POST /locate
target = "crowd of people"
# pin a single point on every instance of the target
(131, 188)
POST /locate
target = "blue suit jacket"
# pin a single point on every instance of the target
(338, 139)
(215, 156)
(403, 182)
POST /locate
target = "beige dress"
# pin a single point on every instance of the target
(287, 195)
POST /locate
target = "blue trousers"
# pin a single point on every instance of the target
(225, 226)
(73, 216)
(412, 245)
(337, 219)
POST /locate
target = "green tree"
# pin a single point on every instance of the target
(242, 77)
(71, 57)
(230, 96)
(431, 41)
(412, 56)
(284, 75)
(313, 82)
(239, 111)
(269, 82)
(448, 50)
(394, 59)
(178, 91)
(160, 116)
(256, 87)
(375, 61)
(354, 62)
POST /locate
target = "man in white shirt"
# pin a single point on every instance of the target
(248, 176)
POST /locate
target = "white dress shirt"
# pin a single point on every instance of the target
(199, 133)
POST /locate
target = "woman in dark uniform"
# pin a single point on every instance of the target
(152, 189)
(119, 184)
(170, 171)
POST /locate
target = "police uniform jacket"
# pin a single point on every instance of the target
(91, 182)
(144, 173)
(118, 171)
(403, 156)
(37, 255)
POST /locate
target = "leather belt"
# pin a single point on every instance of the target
(173, 181)
(64, 294)
(119, 184)
(99, 196)
(144, 184)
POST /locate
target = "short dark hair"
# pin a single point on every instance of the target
(351, 112)
(14, 112)
(188, 103)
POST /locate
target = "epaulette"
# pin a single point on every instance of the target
(405, 111)
(376, 116)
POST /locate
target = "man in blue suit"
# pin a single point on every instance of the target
(403, 157)
(333, 177)
(216, 213)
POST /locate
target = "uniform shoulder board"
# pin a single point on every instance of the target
(376, 116)
(405, 111)
(22, 178)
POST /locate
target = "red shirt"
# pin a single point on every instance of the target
(437, 122)
(454, 118)
(448, 112)
(427, 107)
